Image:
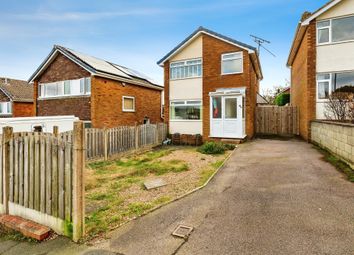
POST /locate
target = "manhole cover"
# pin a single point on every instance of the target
(182, 231)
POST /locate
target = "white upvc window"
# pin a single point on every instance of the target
(232, 63)
(335, 30)
(65, 88)
(186, 110)
(323, 86)
(327, 83)
(191, 68)
(5, 108)
(128, 104)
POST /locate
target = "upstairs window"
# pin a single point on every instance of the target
(232, 63)
(323, 31)
(343, 29)
(186, 69)
(335, 30)
(65, 88)
(5, 108)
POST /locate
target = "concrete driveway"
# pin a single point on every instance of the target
(272, 197)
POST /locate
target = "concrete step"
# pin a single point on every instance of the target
(26, 227)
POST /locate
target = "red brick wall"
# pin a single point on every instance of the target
(79, 106)
(61, 69)
(106, 103)
(212, 80)
(303, 80)
(22, 109)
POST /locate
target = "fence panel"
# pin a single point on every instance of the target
(274, 120)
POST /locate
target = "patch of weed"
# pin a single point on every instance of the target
(338, 163)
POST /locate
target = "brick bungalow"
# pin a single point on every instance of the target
(211, 83)
(321, 59)
(16, 98)
(98, 92)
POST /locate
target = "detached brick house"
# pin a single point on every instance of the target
(321, 59)
(16, 98)
(211, 83)
(98, 92)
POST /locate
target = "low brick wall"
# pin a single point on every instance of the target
(338, 138)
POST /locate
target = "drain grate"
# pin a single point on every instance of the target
(182, 231)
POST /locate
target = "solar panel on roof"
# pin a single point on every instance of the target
(135, 73)
(99, 64)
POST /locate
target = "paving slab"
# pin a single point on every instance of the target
(154, 183)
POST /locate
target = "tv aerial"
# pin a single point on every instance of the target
(260, 41)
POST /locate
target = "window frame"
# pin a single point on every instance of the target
(8, 108)
(236, 58)
(183, 63)
(184, 103)
(330, 31)
(128, 110)
(329, 86)
(60, 86)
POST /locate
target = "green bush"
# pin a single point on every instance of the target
(212, 148)
(229, 147)
(282, 99)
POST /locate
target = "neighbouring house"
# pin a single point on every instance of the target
(16, 98)
(211, 83)
(321, 59)
(261, 100)
(101, 93)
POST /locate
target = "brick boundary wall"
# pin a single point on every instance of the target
(338, 138)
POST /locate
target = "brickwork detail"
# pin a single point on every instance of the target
(107, 105)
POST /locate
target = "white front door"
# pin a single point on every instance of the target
(226, 116)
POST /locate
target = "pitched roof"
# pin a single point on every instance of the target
(16, 90)
(261, 99)
(98, 67)
(320, 11)
(200, 30)
(305, 20)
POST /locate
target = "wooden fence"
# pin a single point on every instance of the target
(275, 120)
(107, 143)
(42, 179)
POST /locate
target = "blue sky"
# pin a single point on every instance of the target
(138, 33)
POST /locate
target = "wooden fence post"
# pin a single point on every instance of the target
(105, 143)
(56, 131)
(78, 205)
(7, 133)
(136, 137)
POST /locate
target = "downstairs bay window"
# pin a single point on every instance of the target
(327, 83)
(186, 110)
(65, 88)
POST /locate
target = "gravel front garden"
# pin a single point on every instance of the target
(115, 191)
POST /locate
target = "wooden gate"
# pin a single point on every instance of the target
(42, 179)
(277, 120)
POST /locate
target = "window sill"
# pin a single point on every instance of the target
(63, 97)
(232, 73)
(334, 43)
(188, 78)
(186, 120)
(128, 110)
